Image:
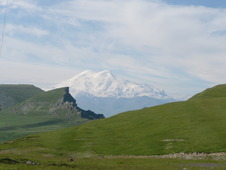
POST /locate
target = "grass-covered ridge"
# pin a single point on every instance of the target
(51, 110)
(14, 94)
(217, 91)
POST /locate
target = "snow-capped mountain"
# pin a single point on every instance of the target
(105, 84)
(105, 93)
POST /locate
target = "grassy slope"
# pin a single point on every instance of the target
(197, 125)
(37, 116)
(217, 91)
(194, 126)
(14, 94)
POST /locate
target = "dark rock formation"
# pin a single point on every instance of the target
(88, 114)
(69, 98)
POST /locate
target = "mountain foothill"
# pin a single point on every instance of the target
(27, 109)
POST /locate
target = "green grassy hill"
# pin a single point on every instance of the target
(55, 109)
(197, 125)
(218, 91)
(14, 94)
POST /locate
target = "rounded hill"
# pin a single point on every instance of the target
(217, 91)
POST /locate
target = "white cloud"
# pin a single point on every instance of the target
(24, 4)
(147, 40)
(15, 29)
(41, 75)
(174, 34)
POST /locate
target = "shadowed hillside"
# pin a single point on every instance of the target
(14, 94)
(46, 111)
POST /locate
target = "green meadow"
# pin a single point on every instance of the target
(15, 94)
(131, 140)
(38, 113)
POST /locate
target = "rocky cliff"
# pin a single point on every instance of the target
(58, 101)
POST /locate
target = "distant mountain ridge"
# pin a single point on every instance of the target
(105, 93)
(110, 106)
(106, 84)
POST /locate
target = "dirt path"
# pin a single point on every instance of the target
(195, 156)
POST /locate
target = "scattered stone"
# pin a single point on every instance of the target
(189, 156)
(31, 163)
(173, 140)
(70, 159)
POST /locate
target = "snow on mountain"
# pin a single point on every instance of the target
(105, 84)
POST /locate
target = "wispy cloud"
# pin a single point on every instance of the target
(22, 4)
(41, 75)
(20, 29)
(175, 46)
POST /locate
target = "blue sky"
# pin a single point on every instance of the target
(206, 3)
(176, 45)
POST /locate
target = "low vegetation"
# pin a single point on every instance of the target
(15, 94)
(119, 163)
(131, 140)
(46, 111)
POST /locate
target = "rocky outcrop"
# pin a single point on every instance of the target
(68, 98)
(71, 103)
(55, 102)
